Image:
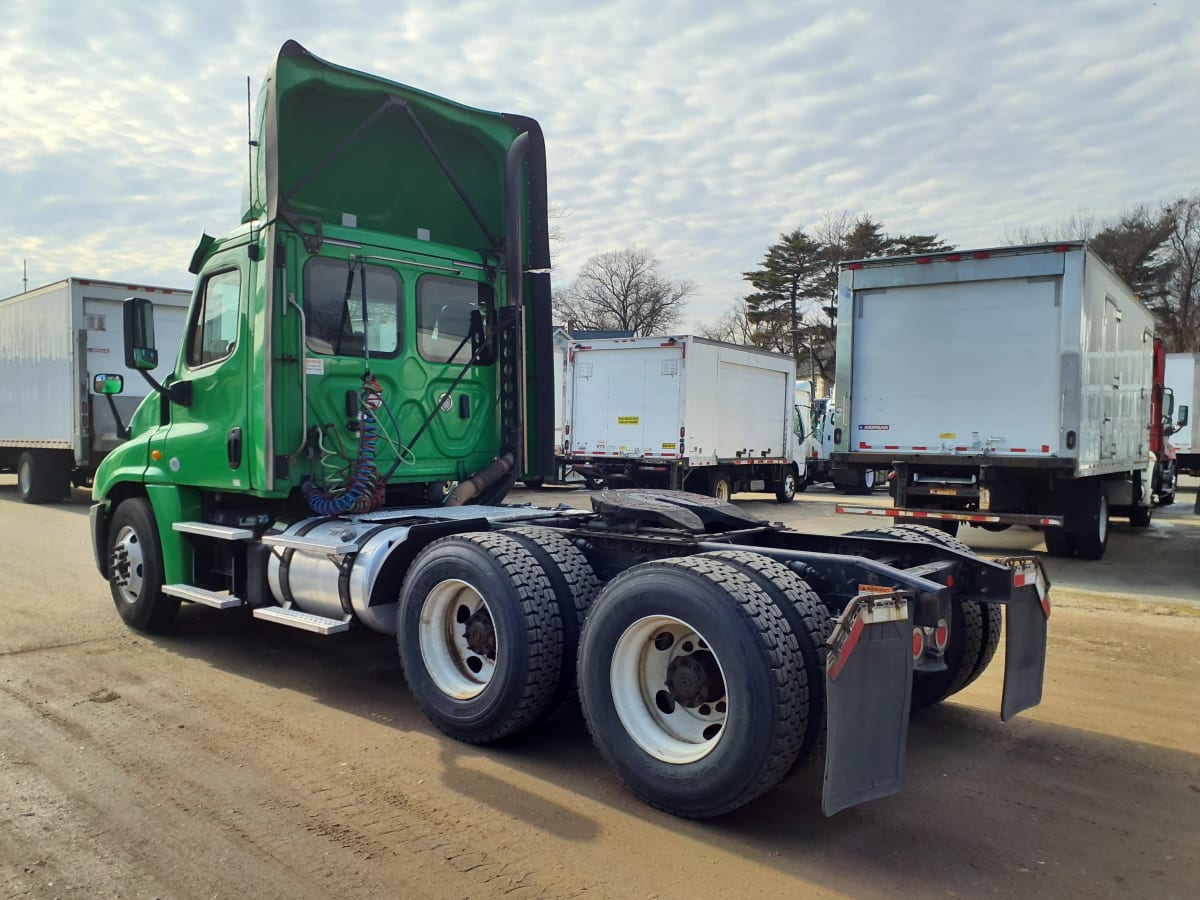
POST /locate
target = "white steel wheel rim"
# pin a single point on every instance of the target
(722, 492)
(789, 485)
(1102, 525)
(459, 670)
(638, 679)
(869, 479)
(128, 553)
(25, 477)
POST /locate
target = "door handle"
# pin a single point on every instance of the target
(233, 447)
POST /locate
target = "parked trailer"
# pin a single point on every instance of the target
(685, 412)
(1006, 386)
(1183, 379)
(335, 366)
(54, 429)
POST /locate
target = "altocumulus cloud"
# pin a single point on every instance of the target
(698, 130)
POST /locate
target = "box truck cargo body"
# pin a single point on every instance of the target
(53, 341)
(1007, 386)
(684, 412)
(1183, 379)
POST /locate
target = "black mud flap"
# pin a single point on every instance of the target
(869, 687)
(1026, 621)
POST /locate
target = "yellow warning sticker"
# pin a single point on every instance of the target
(947, 435)
(669, 446)
(627, 420)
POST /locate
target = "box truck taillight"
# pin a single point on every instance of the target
(1070, 440)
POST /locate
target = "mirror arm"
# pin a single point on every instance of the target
(122, 428)
(178, 392)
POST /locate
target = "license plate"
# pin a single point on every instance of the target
(944, 492)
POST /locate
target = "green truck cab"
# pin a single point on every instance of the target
(392, 254)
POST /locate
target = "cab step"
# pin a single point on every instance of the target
(215, 599)
(315, 545)
(220, 532)
(302, 620)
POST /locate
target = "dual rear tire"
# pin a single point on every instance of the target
(975, 628)
(701, 679)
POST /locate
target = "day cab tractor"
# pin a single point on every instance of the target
(364, 374)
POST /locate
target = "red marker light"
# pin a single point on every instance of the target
(982, 254)
(953, 257)
(924, 260)
(855, 266)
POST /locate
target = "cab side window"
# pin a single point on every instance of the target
(333, 309)
(444, 308)
(213, 330)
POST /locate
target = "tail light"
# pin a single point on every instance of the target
(1070, 440)
(941, 634)
(918, 645)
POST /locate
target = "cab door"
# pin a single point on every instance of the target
(206, 444)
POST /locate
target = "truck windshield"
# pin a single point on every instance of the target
(333, 291)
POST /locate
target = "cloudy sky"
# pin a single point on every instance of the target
(698, 130)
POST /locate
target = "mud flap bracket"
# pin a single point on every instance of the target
(868, 674)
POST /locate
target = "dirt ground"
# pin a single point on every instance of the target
(238, 758)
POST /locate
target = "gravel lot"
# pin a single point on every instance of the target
(238, 758)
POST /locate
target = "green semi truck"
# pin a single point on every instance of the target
(365, 372)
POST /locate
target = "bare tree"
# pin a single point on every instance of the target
(1178, 308)
(623, 289)
(735, 326)
(557, 214)
(1078, 226)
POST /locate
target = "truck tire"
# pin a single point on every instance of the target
(809, 619)
(974, 627)
(572, 579)
(1059, 542)
(1140, 516)
(135, 568)
(692, 685)
(720, 486)
(534, 483)
(786, 488)
(480, 636)
(1093, 544)
(43, 476)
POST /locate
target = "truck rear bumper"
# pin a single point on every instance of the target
(1033, 520)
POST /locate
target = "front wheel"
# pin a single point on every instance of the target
(135, 568)
(785, 490)
(692, 686)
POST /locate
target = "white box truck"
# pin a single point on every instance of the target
(1183, 379)
(53, 340)
(684, 413)
(1005, 386)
